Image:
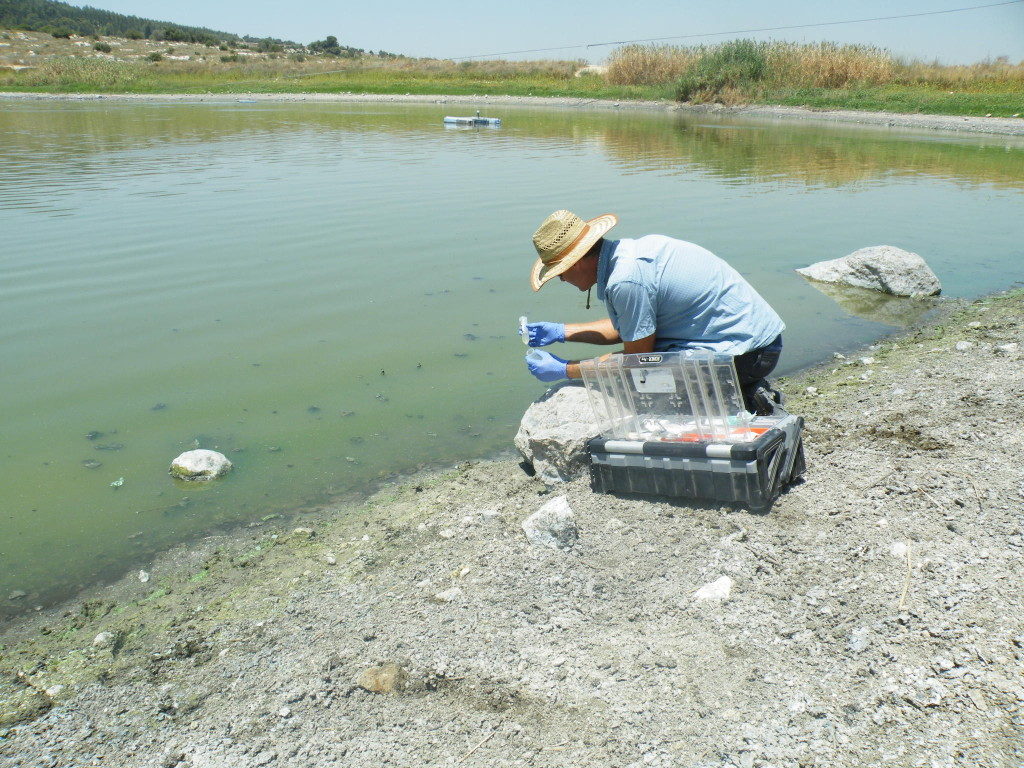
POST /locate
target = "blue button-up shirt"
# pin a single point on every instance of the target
(684, 294)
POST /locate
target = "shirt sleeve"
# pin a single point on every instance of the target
(634, 310)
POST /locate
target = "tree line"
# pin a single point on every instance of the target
(62, 20)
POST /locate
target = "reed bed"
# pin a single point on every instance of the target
(746, 69)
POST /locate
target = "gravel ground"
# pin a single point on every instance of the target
(1004, 126)
(875, 617)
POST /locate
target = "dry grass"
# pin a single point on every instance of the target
(828, 65)
(650, 64)
(810, 65)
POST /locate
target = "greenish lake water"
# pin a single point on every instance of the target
(328, 293)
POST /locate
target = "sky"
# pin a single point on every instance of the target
(457, 28)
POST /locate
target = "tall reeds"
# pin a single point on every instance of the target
(739, 68)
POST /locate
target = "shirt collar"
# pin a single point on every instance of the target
(604, 266)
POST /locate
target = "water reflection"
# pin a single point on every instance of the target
(897, 311)
(744, 152)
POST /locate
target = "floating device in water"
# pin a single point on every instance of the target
(494, 122)
(523, 331)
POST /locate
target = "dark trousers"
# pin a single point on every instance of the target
(753, 368)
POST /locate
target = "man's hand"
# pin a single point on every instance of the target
(542, 334)
(546, 366)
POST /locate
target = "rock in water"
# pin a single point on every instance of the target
(880, 268)
(554, 432)
(200, 465)
(553, 525)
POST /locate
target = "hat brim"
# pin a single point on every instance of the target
(596, 229)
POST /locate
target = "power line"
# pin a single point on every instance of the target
(744, 31)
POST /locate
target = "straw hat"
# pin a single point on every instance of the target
(562, 240)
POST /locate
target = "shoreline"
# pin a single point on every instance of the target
(877, 608)
(946, 123)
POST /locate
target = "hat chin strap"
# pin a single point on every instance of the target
(588, 296)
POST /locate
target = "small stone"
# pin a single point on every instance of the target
(17, 595)
(143, 576)
(54, 690)
(899, 550)
(719, 589)
(1007, 349)
(964, 346)
(867, 361)
(859, 639)
(306, 533)
(812, 391)
(552, 526)
(330, 559)
(284, 712)
(447, 596)
(103, 640)
(388, 678)
(446, 533)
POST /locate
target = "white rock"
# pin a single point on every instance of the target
(554, 431)
(200, 464)
(812, 391)
(553, 525)
(330, 559)
(447, 596)
(103, 640)
(899, 549)
(143, 576)
(284, 712)
(867, 361)
(859, 639)
(1007, 349)
(719, 589)
(54, 690)
(881, 268)
(963, 346)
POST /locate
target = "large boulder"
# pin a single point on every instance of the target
(554, 432)
(200, 465)
(880, 268)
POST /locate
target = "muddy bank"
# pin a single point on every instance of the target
(990, 125)
(875, 616)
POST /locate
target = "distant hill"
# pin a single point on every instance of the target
(61, 19)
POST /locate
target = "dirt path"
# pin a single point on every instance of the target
(876, 615)
(1003, 126)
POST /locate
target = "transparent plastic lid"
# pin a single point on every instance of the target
(687, 396)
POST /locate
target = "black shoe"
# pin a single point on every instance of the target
(767, 401)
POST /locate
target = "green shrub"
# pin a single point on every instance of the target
(58, 31)
(232, 57)
(133, 34)
(101, 47)
(732, 65)
(154, 56)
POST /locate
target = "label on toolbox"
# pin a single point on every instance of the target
(655, 381)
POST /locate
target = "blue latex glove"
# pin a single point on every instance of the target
(542, 334)
(545, 366)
